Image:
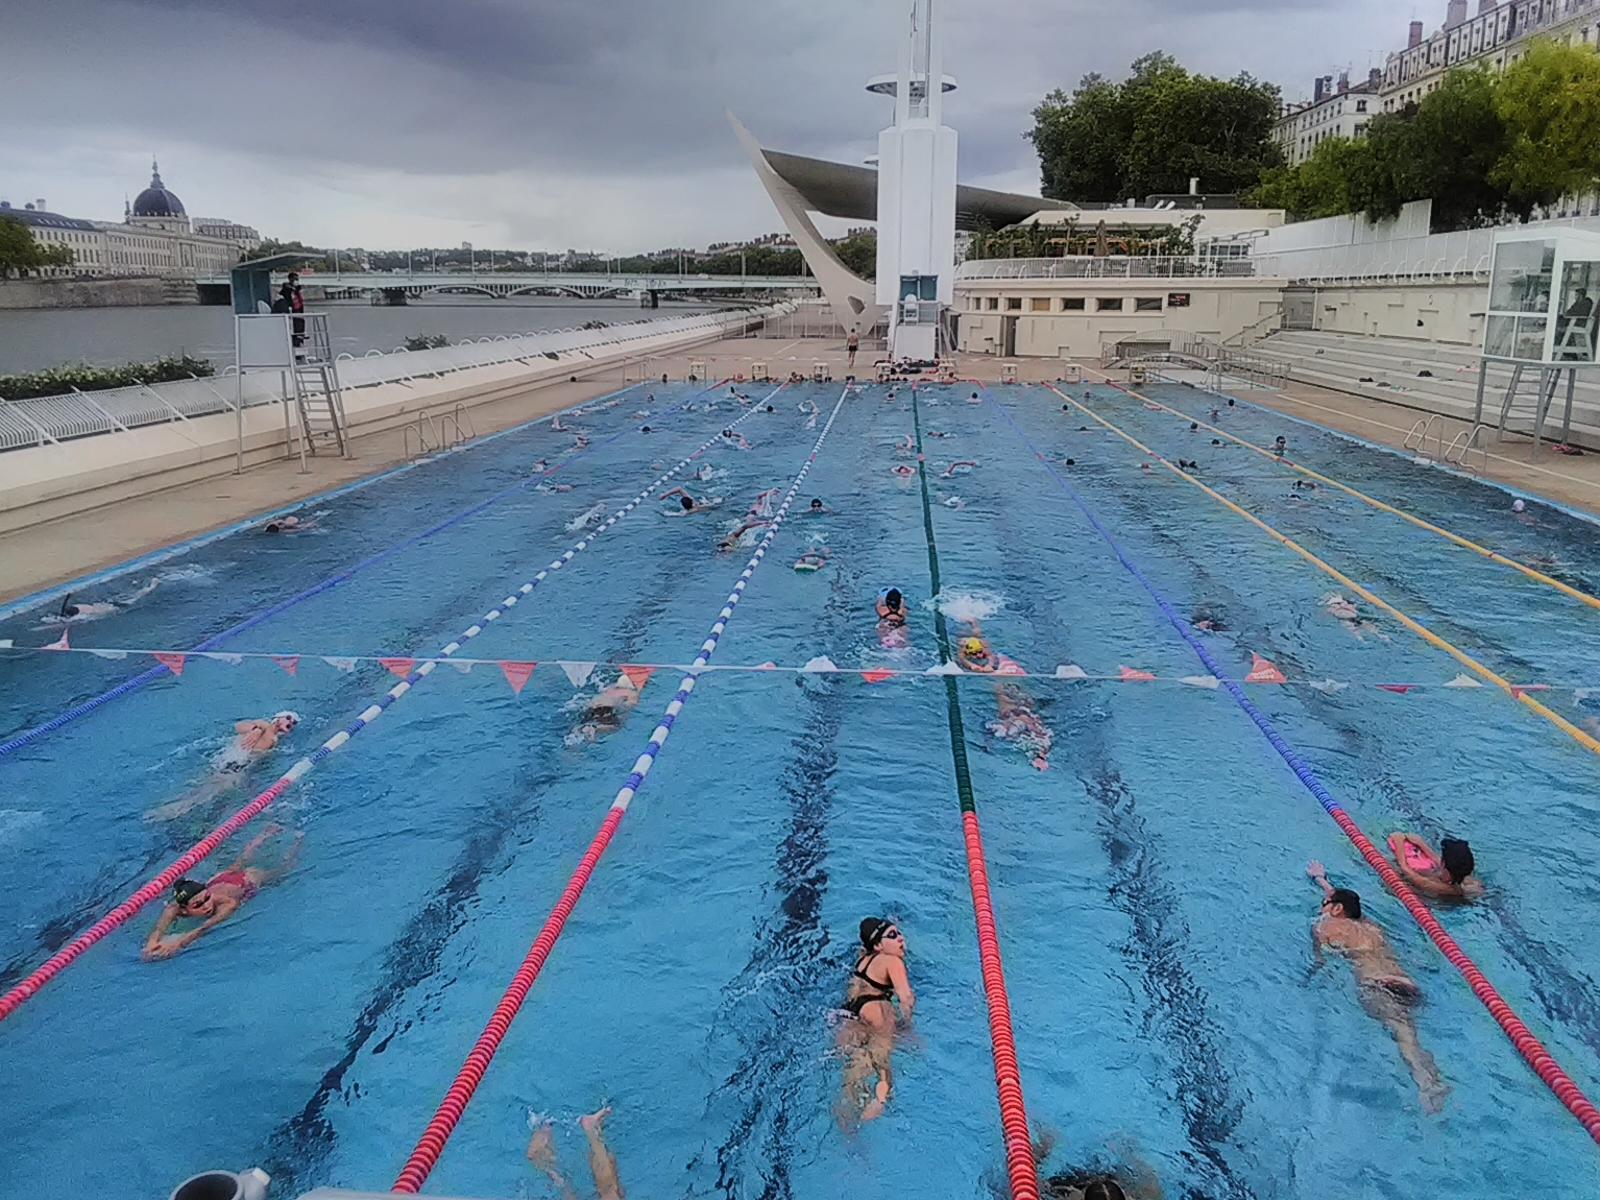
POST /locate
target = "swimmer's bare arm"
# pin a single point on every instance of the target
(1425, 884)
(168, 915)
(225, 909)
(677, 491)
(901, 978)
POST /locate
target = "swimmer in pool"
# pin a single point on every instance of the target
(606, 712)
(974, 399)
(602, 1163)
(892, 608)
(219, 898)
(812, 560)
(736, 439)
(1388, 994)
(1017, 722)
(1446, 875)
(1347, 614)
(555, 424)
(70, 613)
(688, 504)
(974, 655)
(1280, 446)
(906, 445)
(1207, 619)
(288, 525)
(816, 508)
(958, 468)
(867, 1037)
(733, 540)
(540, 467)
(253, 739)
(904, 471)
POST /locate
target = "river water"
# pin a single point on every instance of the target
(32, 339)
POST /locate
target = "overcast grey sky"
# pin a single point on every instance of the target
(557, 123)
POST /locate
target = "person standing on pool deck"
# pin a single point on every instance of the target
(218, 899)
(1445, 875)
(1387, 992)
(867, 1037)
(602, 1163)
(851, 345)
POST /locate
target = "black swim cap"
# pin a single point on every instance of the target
(1457, 858)
(644, 429)
(893, 598)
(186, 890)
(686, 502)
(1193, 425)
(872, 931)
(1348, 900)
(1072, 462)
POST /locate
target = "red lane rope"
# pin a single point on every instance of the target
(431, 1145)
(63, 958)
(1020, 1164)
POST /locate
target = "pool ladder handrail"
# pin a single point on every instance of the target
(1417, 438)
(1463, 444)
(450, 430)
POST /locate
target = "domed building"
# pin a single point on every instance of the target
(158, 208)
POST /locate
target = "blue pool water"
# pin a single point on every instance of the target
(1149, 886)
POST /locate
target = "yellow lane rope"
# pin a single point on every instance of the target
(1465, 543)
(1416, 627)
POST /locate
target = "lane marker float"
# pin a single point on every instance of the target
(1382, 506)
(412, 674)
(431, 1144)
(133, 684)
(1517, 692)
(1529, 1046)
(1021, 1167)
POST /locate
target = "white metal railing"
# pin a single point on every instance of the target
(42, 420)
(1109, 267)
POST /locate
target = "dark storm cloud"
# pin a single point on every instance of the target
(541, 103)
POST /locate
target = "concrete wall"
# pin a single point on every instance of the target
(1216, 308)
(1448, 313)
(83, 293)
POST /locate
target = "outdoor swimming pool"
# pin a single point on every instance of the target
(1148, 888)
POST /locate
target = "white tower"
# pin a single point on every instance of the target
(917, 192)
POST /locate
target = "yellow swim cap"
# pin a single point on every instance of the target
(972, 646)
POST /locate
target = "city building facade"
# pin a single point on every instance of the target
(1334, 111)
(154, 237)
(1497, 35)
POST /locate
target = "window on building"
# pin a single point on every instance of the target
(994, 303)
(1073, 304)
(1013, 303)
(1361, 106)
(1039, 304)
(1146, 304)
(1108, 304)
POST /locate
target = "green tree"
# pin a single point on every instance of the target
(21, 252)
(859, 253)
(1549, 101)
(1153, 132)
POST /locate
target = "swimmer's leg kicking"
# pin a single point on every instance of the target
(602, 1163)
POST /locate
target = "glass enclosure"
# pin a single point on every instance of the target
(1542, 297)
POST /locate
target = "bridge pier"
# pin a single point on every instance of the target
(650, 299)
(390, 297)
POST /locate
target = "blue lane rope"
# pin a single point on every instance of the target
(133, 684)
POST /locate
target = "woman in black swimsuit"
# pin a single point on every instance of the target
(867, 1036)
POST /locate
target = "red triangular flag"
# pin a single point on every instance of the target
(1399, 689)
(1521, 689)
(172, 662)
(638, 676)
(768, 666)
(398, 666)
(877, 675)
(1262, 671)
(517, 674)
(289, 662)
(1129, 675)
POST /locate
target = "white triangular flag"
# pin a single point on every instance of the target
(1071, 671)
(577, 673)
(463, 665)
(1329, 686)
(1464, 681)
(340, 663)
(1202, 681)
(818, 665)
(109, 653)
(948, 668)
(233, 660)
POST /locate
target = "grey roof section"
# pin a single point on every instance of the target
(841, 190)
(46, 220)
